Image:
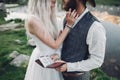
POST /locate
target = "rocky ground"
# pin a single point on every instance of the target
(105, 16)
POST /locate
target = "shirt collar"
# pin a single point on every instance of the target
(79, 18)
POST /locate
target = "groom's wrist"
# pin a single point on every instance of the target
(70, 67)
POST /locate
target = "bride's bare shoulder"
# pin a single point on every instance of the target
(34, 24)
(32, 21)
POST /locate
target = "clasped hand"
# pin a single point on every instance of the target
(62, 68)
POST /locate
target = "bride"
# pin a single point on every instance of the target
(42, 28)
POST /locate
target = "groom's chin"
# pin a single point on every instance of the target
(65, 8)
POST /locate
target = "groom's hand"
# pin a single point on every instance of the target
(62, 68)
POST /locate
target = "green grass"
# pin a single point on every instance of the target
(2, 20)
(7, 45)
(98, 74)
(12, 73)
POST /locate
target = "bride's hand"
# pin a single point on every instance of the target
(71, 17)
(55, 57)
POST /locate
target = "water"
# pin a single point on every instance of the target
(111, 64)
(17, 12)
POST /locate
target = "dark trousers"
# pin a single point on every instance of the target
(85, 76)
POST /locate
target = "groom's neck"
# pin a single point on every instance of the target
(80, 8)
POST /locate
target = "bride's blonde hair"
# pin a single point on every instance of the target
(42, 10)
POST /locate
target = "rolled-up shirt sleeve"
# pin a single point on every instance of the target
(96, 41)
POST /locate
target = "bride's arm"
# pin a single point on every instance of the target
(37, 28)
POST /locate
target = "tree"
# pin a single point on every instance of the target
(109, 2)
(2, 9)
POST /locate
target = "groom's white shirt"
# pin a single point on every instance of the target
(96, 40)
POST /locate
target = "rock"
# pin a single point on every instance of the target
(9, 26)
(20, 61)
(31, 42)
(14, 54)
(18, 41)
(111, 64)
(104, 16)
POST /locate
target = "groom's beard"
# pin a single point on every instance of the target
(71, 4)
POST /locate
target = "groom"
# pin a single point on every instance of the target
(84, 47)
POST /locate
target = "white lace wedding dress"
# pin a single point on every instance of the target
(35, 71)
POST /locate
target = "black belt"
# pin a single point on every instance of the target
(72, 74)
